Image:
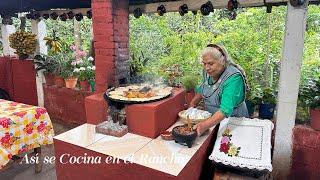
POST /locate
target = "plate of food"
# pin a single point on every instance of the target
(194, 114)
(138, 93)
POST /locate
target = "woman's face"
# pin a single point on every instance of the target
(213, 67)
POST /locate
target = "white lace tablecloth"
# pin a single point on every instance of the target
(244, 143)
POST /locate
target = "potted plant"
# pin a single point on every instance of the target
(254, 96)
(59, 70)
(310, 94)
(47, 65)
(268, 104)
(69, 75)
(189, 82)
(86, 73)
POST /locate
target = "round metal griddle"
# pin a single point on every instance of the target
(108, 98)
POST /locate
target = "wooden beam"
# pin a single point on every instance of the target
(173, 6)
(83, 11)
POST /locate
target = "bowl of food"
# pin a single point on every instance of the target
(166, 135)
(194, 114)
(184, 134)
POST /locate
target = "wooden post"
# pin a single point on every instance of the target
(39, 28)
(288, 89)
(6, 30)
(77, 35)
(38, 165)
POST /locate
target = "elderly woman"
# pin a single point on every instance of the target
(223, 88)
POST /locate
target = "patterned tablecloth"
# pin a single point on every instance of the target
(22, 128)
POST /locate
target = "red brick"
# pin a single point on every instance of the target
(106, 12)
(106, 52)
(107, 38)
(103, 25)
(105, 32)
(104, 59)
(306, 155)
(102, 19)
(96, 108)
(305, 136)
(104, 45)
(101, 3)
(301, 170)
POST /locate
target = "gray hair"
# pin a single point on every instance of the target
(223, 57)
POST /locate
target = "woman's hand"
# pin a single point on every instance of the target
(196, 99)
(210, 122)
(201, 127)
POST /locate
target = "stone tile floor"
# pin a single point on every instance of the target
(24, 171)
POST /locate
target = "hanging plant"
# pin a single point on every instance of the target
(53, 43)
(24, 43)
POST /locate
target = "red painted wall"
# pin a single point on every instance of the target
(18, 78)
(5, 76)
(24, 82)
(305, 155)
(67, 105)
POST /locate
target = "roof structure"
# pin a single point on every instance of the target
(9, 7)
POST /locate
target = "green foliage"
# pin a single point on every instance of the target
(61, 64)
(45, 63)
(310, 91)
(254, 40)
(268, 96)
(189, 82)
(85, 69)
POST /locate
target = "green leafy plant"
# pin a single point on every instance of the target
(45, 63)
(189, 82)
(310, 91)
(86, 70)
(268, 96)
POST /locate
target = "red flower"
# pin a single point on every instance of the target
(5, 122)
(20, 114)
(14, 104)
(28, 129)
(224, 148)
(5, 140)
(9, 156)
(41, 127)
(22, 150)
(41, 111)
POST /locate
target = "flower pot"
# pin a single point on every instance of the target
(266, 111)
(315, 119)
(250, 106)
(49, 79)
(59, 81)
(71, 82)
(189, 96)
(85, 86)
